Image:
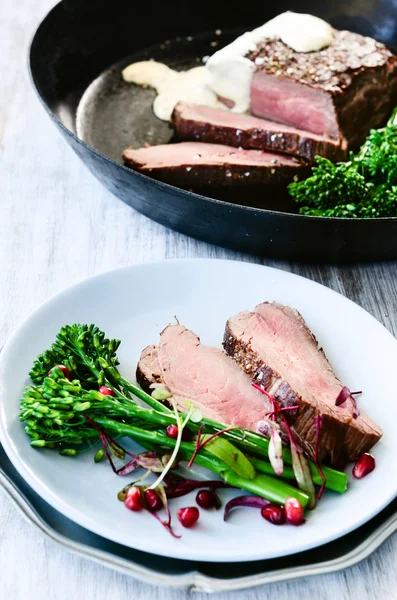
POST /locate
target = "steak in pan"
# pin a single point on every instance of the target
(193, 122)
(197, 164)
(339, 91)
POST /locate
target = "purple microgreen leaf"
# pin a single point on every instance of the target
(200, 443)
(197, 446)
(185, 487)
(166, 522)
(253, 501)
(303, 474)
(300, 465)
(343, 395)
(106, 449)
(128, 468)
(346, 394)
(275, 452)
(150, 461)
(318, 422)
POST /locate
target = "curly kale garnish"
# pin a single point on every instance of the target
(364, 187)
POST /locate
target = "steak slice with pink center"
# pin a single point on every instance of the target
(205, 124)
(189, 164)
(276, 348)
(343, 90)
(205, 375)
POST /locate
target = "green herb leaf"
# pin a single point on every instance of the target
(230, 455)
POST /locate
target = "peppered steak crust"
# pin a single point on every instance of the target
(302, 419)
(357, 72)
(215, 126)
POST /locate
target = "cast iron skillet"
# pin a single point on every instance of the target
(79, 40)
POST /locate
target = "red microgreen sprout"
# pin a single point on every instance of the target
(318, 422)
(166, 523)
(346, 394)
(200, 444)
(276, 452)
(189, 485)
(299, 462)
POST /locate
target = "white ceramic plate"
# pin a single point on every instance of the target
(134, 304)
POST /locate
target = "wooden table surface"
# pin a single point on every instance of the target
(59, 226)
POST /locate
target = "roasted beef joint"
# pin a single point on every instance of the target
(340, 91)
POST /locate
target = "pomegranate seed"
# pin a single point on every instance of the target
(106, 391)
(207, 499)
(64, 370)
(152, 501)
(188, 516)
(133, 499)
(274, 514)
(364, 465)
(293, 511)
(172, 432)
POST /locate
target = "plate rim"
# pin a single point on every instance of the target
(74, 515)
(195, 580)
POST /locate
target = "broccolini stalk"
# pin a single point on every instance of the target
(364, 187)
(61, 411)
(53, 410)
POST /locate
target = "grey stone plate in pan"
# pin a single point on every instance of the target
(198, 576)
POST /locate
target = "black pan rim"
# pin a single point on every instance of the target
(165, 186)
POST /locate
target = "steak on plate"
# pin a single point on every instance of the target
(205, 124)
(274, 346)
(195, 164)
(203, 374)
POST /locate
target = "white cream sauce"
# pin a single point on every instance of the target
(227, 73)
(173, 86)
(232, 72)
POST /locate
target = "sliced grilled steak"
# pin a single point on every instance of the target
(192, 164)
(205, 375)
(205, 124)
(342, 90)
(274, 346)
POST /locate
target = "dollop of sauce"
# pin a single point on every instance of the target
(232, 72)
(173, 86)
(228, 72)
